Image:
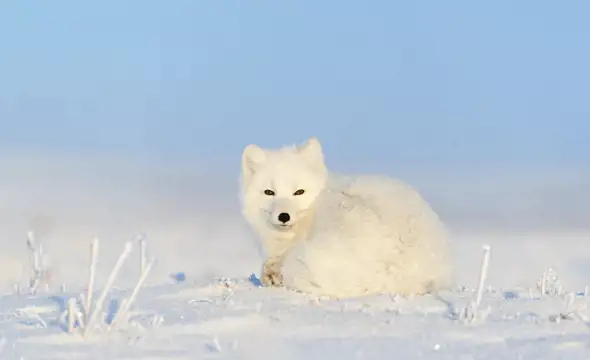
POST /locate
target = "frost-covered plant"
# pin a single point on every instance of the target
(472, 312)
(40, 273)
(85, 313)
(550, 284)
(572, 309)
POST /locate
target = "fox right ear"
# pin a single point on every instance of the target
(251, 156)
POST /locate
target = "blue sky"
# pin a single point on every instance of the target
(381, 83)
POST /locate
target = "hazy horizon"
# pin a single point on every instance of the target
(190, 213)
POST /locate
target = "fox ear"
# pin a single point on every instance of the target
(251, 156)
(312, 149)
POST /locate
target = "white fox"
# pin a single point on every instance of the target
(340, 236)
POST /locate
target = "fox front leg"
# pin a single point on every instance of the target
(271, 273)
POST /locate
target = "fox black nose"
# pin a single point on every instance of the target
(284, 218)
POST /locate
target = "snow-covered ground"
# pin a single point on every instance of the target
(192, 225)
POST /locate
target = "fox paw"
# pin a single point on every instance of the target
(271, 275)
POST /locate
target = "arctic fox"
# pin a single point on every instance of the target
(333, 235)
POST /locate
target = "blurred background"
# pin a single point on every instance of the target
(126, 117)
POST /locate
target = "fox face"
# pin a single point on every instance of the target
(279, 187)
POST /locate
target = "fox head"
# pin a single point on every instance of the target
(279, 186)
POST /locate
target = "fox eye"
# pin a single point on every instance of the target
(269, 192)
(299, 192)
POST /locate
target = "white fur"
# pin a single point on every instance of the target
(347, 236)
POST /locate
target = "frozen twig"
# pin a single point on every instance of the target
(214, 345)
(71, 314)
(550, 285)
(91, 277)
(569, 302)
(99, 303)
(30, 315)
(483, 274)
(125, 305)
(470, 313)
(36, 262)
(157, 320)
(80, 319)
(570, 311)
(142, 255)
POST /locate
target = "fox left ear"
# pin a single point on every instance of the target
(313, 150)
(251, 156)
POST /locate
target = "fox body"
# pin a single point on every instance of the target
(341, 236)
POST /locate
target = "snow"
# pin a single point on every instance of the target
(202, 298)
